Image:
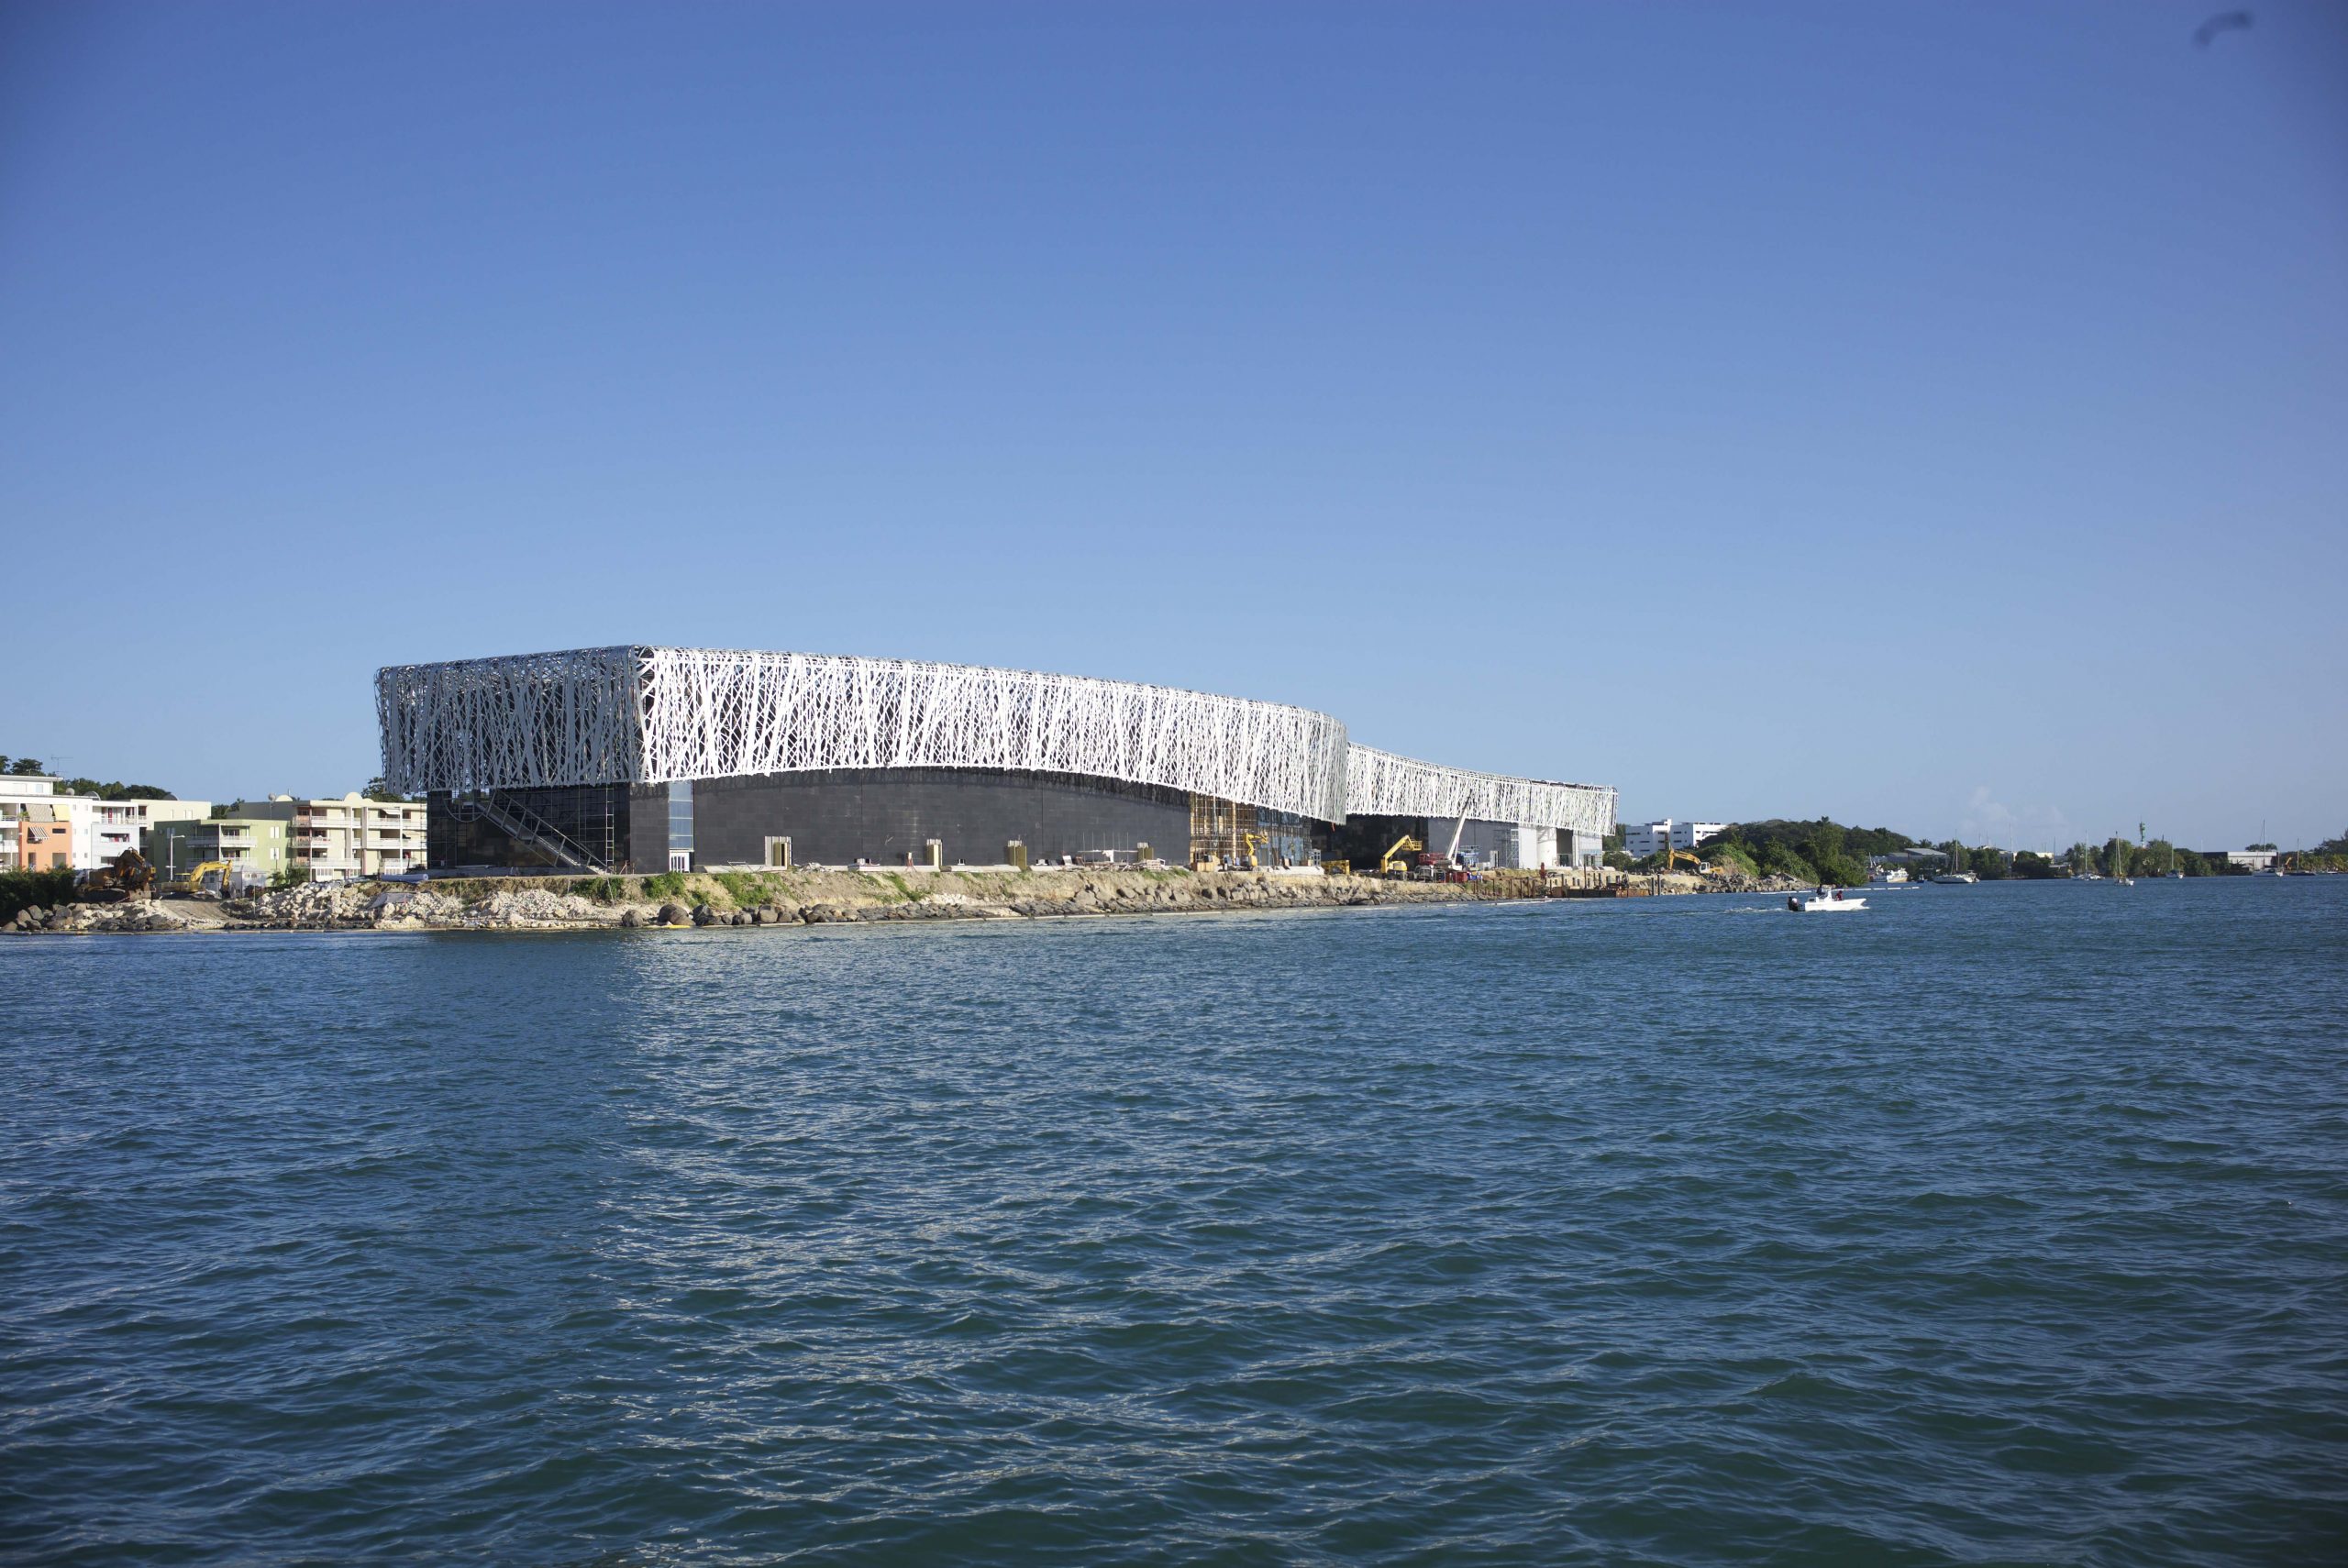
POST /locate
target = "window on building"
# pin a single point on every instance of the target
(680, 817)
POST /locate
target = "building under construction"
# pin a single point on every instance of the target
(643, 760)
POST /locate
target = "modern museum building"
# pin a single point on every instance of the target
(642, 760)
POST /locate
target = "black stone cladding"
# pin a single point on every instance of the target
(594, 816)
(882, 814)
(1362, 839)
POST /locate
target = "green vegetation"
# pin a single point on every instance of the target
(2120, 858)
(909, 896)
(23, 889)
(111, 790)
(1730, 852)
(1829, 852)
(289, 877)
(1822, 851)
(378, 791)
(667, 885)
(114, 789)
(748, 890)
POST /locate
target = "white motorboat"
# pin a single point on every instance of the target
(1820, 903)
(1956, 878)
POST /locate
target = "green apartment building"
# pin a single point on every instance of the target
(255, 842)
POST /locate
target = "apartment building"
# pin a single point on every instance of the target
(150, 812)
(355, 836)
(42, 830)
(254, 843)
(1642, 839)
(103, 831)
(40, 835)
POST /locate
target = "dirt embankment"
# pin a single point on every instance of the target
(811, 897)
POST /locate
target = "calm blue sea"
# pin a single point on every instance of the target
(2005, 1225)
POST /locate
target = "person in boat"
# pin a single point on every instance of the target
(1793, 903)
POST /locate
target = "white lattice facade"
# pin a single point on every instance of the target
(1378, 783)
(644, 715)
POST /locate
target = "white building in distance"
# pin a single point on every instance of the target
(1642, 839)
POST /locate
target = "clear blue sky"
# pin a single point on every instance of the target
(1930, 417)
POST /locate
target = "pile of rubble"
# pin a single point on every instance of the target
(534, 907)
(308, 904)
(138, 914)
(350, 906)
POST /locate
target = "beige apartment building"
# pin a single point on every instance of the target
(358, 837)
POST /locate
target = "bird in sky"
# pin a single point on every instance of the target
(2224, 22)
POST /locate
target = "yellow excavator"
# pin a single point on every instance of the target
(1696, 863)
(1243, 860)
(208, 880)
(1391, 864)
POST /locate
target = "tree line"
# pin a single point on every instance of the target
(1823, 851)
(111, 790)
(1828, 852)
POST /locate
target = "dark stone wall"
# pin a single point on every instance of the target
(884, 813)
(1362, 839)
(586, 812)
(648, 840)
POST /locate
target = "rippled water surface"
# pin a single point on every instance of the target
(2001, 1225)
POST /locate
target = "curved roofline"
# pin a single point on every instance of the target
(642, 712)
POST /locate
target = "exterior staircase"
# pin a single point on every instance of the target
(525, 827)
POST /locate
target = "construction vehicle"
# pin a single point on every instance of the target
(1247, 842)
(208, 880)
(1429, 866)
(1390, 864)
(1672, 857)
(127, 876)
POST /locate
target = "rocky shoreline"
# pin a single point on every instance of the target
(812, 897)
